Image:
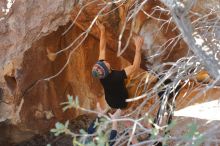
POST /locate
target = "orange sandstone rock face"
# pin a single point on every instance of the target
(21, 26)
(34, 103)
(41, 106)
(75, 80)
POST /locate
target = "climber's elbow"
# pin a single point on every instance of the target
(131, 69)
(135, 68)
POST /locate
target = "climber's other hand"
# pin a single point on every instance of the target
(138, 41)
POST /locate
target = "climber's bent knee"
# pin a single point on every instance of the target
(121, 105)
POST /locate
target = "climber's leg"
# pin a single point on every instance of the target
(102, 102)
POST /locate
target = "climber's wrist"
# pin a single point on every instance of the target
(138, 50)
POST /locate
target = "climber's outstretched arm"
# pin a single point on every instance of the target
(102, 45)
(137, 58)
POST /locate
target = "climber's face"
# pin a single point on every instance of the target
(99, 70)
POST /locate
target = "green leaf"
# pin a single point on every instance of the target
(77, 101)
(67, 124)
(59, 125)
(102, 140)
(102, 119)
(65, 108)
(75, 142)
(91, 144)
(63, 103)
(82, 131)
(96, 124)
(70, 98)
(154, 133)
(53, 130)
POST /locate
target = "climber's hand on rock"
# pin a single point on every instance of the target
(138, 41)
(100, 26)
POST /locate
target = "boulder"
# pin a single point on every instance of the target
(32, 86)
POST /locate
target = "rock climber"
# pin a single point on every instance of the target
(113, 80)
